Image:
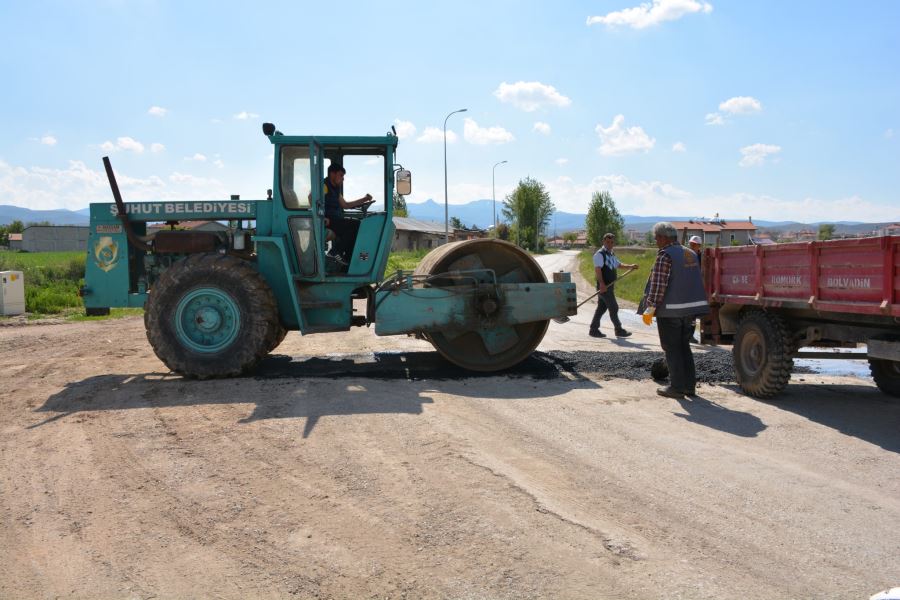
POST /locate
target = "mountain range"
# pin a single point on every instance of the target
(478, 213)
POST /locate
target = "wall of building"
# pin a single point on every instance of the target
(41, 238)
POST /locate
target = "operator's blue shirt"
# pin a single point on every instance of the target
(332, 195)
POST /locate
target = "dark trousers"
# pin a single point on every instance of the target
(674, 337)
(606, 300)
(345, 231)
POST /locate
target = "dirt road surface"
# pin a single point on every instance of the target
(360, 467)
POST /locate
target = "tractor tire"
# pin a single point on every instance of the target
(762, 354)
(211, 315)
(886, 374)
(279, 337)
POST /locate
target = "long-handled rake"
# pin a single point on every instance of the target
(624, 275)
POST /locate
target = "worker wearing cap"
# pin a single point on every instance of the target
(606, 265)
(696, 245)
(345, 229)
(676, 297)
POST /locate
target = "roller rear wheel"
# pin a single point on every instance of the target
(486, 348)
(211, 315)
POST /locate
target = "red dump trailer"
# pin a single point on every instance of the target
(770, 301)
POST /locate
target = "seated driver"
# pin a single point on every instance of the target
(345, 229)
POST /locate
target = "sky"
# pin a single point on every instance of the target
(766, 109)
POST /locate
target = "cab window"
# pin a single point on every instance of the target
(295, 183)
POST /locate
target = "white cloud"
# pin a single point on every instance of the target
(645, 198)
(123, 143)
(48, 140)
(679, 147)
(196, 157)
(485, 135)
(714, 119)
(194, 182)
(156, 148)
(157, 111)
(561, 161)
(756, 154)
(617, 141)
(405, 129)
(218, 162)
(541, 127)
(530, 95)
(647, 14)
(244, 116)
(888, 133)
(741, 105)
(433, 135)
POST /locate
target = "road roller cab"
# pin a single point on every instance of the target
(217, 303)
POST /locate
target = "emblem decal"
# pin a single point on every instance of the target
(106, 253)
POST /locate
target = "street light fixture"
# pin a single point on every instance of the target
(446, 204)
(494, 192)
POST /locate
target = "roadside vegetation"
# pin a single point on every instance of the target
(52, 280)
(632, 287)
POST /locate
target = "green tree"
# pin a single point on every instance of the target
(16, 226)
(570, 237)
(603, 217)
(529, 209)
(400, 209)
(502, 231)
(826, 231)
(455, 223)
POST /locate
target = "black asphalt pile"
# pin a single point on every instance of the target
(712, 367)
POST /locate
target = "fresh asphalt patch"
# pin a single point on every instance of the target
(712, 367)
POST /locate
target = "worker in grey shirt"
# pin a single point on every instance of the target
(606, 265)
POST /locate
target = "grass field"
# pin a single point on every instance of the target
(632, 287)
(52, 280)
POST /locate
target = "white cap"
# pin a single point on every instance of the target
(695, 239)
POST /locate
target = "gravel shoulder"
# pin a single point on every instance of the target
(354, 466)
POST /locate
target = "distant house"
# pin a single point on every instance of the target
(803, 235)
(190, 225)
(413, 234)
(15, 241)
(55, 238)
(892, 229)
(469, 233)
(716, 232)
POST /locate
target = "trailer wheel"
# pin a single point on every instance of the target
(886, 374)
(211, 315)
(762, 354)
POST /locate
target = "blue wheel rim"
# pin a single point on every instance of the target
(207, 320)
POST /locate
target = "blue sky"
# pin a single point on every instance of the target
(776, 110)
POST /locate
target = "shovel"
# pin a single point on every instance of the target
(566, 319)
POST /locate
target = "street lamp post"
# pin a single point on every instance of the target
(494, 192)
(446, 204)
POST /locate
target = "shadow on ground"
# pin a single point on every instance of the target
(860, 411)
(399, 383)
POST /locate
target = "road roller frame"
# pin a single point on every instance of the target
(218, 301)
